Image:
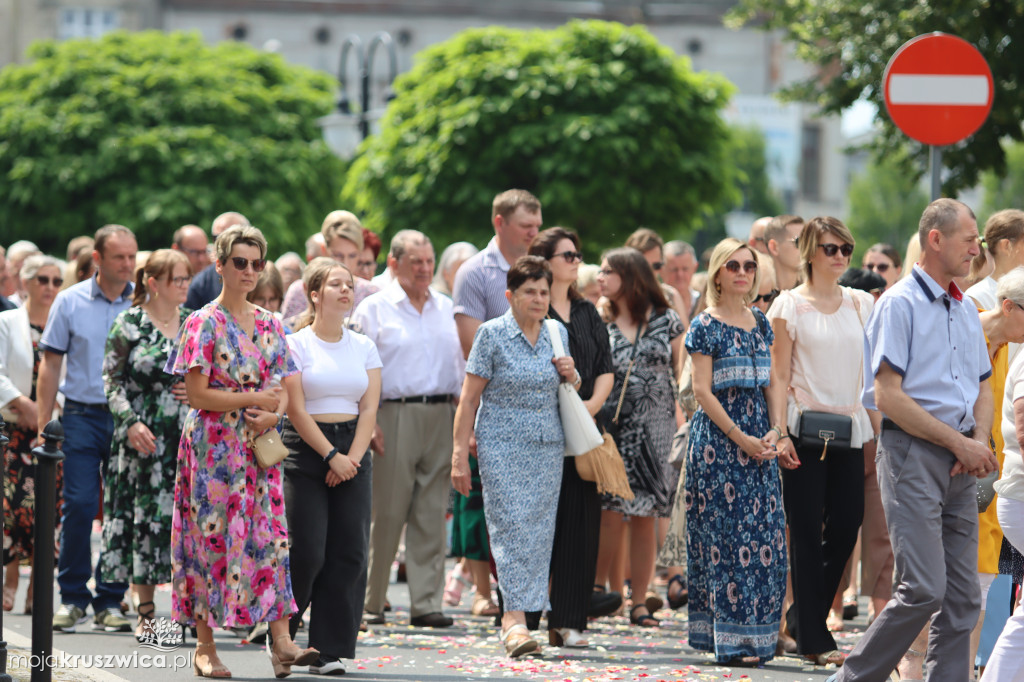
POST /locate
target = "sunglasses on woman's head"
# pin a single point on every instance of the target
(833, 249)
(734, 266)
(242, 263)
(570, 256)
(877, 267)
(45, 281)
(767, 298)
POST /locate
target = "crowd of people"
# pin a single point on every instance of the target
(270, 436)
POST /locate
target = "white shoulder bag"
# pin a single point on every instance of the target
(581, 434)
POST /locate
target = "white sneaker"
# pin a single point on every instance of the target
(327, 665)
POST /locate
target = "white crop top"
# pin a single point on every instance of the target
(333, 374)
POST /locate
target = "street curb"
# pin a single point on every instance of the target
(15, 639)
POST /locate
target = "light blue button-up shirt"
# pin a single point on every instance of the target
(80, 319)
(934, 340)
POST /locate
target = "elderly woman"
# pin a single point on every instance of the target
(20, 331)
(148, 406)
(229, 536)
(449, 263)
(823, 488)
(512, 378)
(736, 548)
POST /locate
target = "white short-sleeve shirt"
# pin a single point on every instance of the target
(334, 375)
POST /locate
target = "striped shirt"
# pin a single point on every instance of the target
(480, 285)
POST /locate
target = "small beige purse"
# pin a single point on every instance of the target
(269, 449)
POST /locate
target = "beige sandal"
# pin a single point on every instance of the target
(834, 657)
(483, 606)
(518, 641)
(209, 669)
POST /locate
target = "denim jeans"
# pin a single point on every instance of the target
(87, 431)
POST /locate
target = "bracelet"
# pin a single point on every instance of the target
(730, 429)
(577, 380)
(785, 435)
(330, 454)
(777, 429)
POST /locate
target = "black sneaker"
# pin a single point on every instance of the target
(327, 665)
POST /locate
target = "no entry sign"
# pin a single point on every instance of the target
(938, 89)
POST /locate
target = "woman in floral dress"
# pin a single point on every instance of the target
(229, 536)
(736, 549)
(20, 331)
(148, 406)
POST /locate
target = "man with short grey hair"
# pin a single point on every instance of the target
(414, 329)
(678, 270)
(926, 353)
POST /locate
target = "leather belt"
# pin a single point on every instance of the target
(421, 399)
(890, 425)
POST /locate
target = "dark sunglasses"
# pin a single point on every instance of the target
(734, 266)
(570, 256)
(767, 298)
(45, 281)
(877, 267)
(242, 263)
(833, 249)
(657, 265)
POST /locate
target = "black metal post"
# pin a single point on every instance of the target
(47, 456)
(4, 440)
(365, 67)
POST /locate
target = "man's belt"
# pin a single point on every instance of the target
(424, 399)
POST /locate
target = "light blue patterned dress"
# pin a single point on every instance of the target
(520, 447)
(736, 544)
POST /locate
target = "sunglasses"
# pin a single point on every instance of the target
(45, 281)
(832, 249)
(877, 267)
(242, 263)
(734, 266)
(657, 265)
(767, 298)
(570, 256)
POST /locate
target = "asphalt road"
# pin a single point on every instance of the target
(398, 652)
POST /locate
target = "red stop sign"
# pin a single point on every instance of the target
(938, 89)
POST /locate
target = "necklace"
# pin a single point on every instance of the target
(166, 322)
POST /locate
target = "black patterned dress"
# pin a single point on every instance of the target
(647, 421)
(138, 498)
(20, 479)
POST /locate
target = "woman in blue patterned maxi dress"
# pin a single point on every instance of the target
(736, 542)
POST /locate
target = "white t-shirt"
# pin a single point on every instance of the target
(826, 370)
(333, 374)
(983, 293)
(1011, 483)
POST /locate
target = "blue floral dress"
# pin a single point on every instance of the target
(520, 447)
(736, 546)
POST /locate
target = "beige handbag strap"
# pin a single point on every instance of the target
(629, 370)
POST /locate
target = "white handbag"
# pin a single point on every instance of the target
(581, 434)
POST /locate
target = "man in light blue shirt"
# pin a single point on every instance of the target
(76, 330)
(925, 348)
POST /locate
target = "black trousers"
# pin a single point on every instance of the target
(574, 556)
(824, 503)
(329, 530)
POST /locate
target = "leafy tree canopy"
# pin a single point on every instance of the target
(851, 42)
(1006, 191)
(155, 130)
(886, 203)
(608, 127)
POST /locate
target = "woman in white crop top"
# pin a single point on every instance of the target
(332, 409)
(818, 359)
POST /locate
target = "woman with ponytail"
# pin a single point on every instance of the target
(1005, 248)
(149, 409)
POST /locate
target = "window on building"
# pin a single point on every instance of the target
(810, 162)
(87, 23)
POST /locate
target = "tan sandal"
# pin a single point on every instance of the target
(210, 668)
(483, 606)
(834, 657)
(284, 653)
(518, 642)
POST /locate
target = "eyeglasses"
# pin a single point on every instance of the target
(734, 266)
(45, 281)
(833, 249)
(877, 267)
(242, 263)
(570, 256)
(182, 281)
(195, 252)
(657, 265)
(767, 298)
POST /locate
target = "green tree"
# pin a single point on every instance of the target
(1007, 191)
(886, 202)
(608, 127)
(851, 42)
(157, 130)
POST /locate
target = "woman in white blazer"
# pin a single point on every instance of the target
(20, 331)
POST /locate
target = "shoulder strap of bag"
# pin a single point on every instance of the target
(556, 338)
(629, 370)
(860, 378)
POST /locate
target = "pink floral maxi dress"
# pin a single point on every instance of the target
(229, 537)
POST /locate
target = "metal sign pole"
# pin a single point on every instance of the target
(936, 153)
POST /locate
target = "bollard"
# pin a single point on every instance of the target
(47, 455)
(4, 677)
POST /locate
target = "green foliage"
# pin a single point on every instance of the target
(851, 42)
(747, 151)
(154, 131)
(609, 128)
(886, 203)
(1007, 191)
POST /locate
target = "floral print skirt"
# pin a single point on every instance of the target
(20, 496)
